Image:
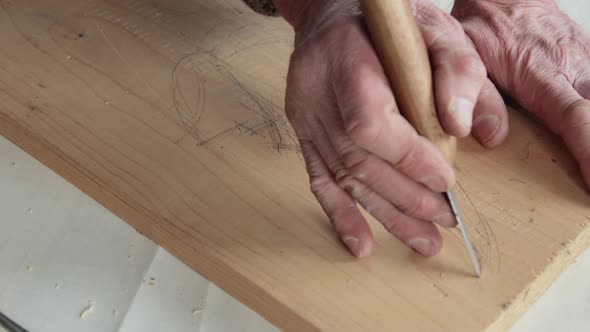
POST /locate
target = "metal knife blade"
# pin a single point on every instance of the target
(457, 212)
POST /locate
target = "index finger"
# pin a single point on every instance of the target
(374, 123)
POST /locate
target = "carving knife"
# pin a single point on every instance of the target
(403, 54)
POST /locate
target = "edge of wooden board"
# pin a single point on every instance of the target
(239, 286)
(544, 278)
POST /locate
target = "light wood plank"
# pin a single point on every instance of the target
(169, 113)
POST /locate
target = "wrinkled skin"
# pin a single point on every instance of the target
(357, 146)
(540, 57)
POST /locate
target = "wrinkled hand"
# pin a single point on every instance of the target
(357, 146)
(540, 57)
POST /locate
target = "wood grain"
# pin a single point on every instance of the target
(169, 114)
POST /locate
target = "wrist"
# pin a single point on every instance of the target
(310, 16)
(297, 12)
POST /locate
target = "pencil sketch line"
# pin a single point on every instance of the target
(488, 233)
(190, 117)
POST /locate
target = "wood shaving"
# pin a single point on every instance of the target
(197, 311)
(86, 311)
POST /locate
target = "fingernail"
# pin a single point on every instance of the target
(445, 219)
(421, 245)
(462, 110)
(352, 243)
(435, 183)
(486, 127)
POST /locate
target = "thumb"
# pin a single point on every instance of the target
(575, 131)
(459, 73)
(567, 113)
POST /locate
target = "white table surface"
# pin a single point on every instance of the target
(61, 253)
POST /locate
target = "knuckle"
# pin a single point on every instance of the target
(418, 205)
(394, 224)
(462, 62)
(575, 126)
(358, 191)
(437, 26)
(337, 168)
(406, 159)
(429, 15)
(363, 132)
(582, 83)
(469, 63)
(340, 173)
(363, 167)
(318, 186)
(576, 115)
(354, 157)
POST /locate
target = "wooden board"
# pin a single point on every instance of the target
(169, 113)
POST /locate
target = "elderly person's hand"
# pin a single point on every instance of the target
(357, 146)
(540, 57)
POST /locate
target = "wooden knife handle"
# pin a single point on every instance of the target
(403, 54)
